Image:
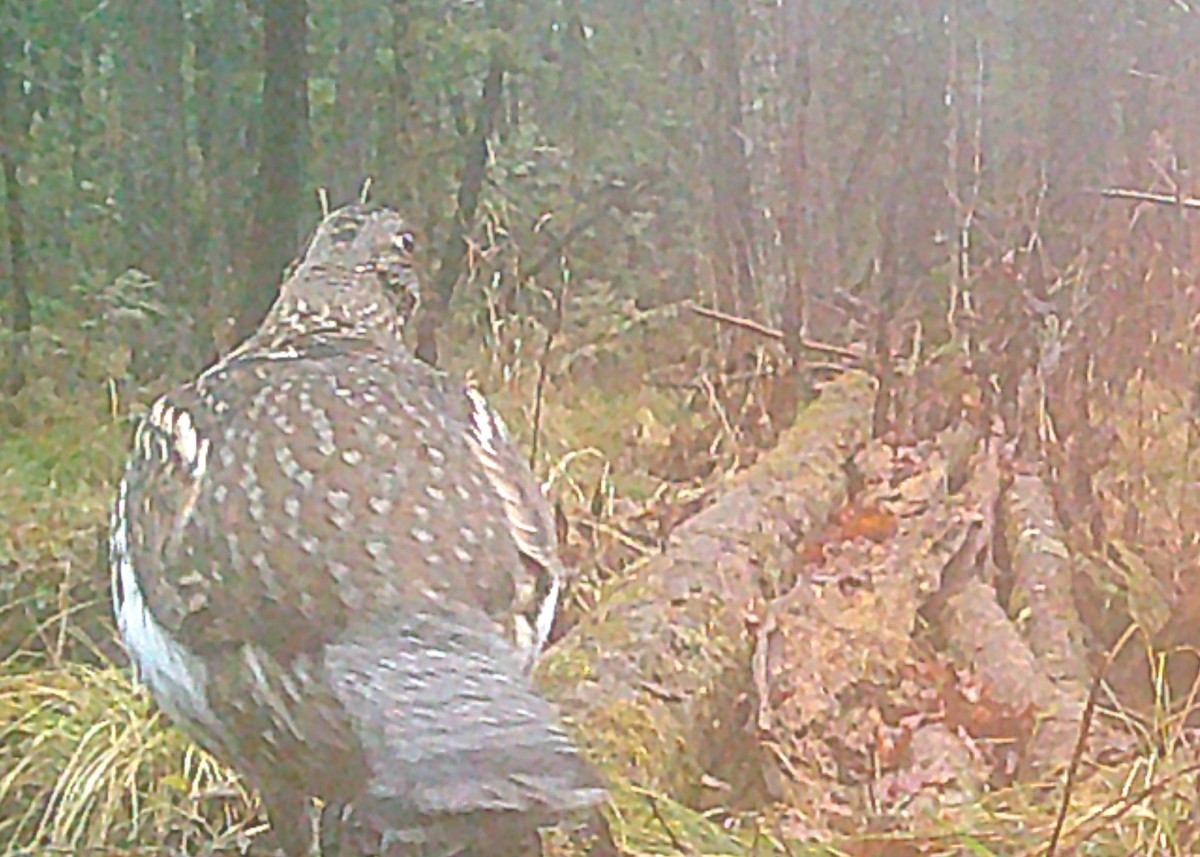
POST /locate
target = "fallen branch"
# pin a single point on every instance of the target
(772, 333)
(1147, 196)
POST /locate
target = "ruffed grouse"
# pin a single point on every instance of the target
(332, 567)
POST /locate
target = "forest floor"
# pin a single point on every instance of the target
(810, 639)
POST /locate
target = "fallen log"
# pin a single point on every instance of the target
(657, 677)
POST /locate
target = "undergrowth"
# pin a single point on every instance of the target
(87, 762)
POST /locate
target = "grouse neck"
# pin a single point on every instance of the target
(328, 301)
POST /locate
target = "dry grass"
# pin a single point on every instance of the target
(86, 763)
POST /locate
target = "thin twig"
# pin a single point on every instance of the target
(783, 841)
(770, 332)
(695, 384)
(714, 402)
(658, 816)
(630, 540)
(1085, 726)
(544, 362)
(735, 321)
(1147, 196)
(953, 118)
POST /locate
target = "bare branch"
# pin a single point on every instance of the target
(1147, 196)
(771, 333)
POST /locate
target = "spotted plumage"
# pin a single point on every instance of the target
(332, 567)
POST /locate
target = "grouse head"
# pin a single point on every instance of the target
(355, 276)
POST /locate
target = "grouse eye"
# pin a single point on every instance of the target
(404, 242)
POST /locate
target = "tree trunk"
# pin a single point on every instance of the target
(348, 154)
(728, 170)
(153, 165)
(1072, 40)
(454, 249)
(794, 170)
(14, 123)
(282, 142)
(221, 134)
(400, 106)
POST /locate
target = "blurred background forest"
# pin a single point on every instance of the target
(653, 230)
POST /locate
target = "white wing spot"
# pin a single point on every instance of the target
(201, 460)
(156, 412)
(546, 613)
(186, 441)
(423, 536)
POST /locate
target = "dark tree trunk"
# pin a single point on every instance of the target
(454, 250)
(152, 112)
(795, 168)
(402, 87)
(400, 111)
(71, 99)
(283, 137)
(20, 308)
(14, 133)
(218, 128)
(922, 208)
(915, 207)
(728, 171)
(401, 106)
(221, 133)
(348, 154)
(1072, 39)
